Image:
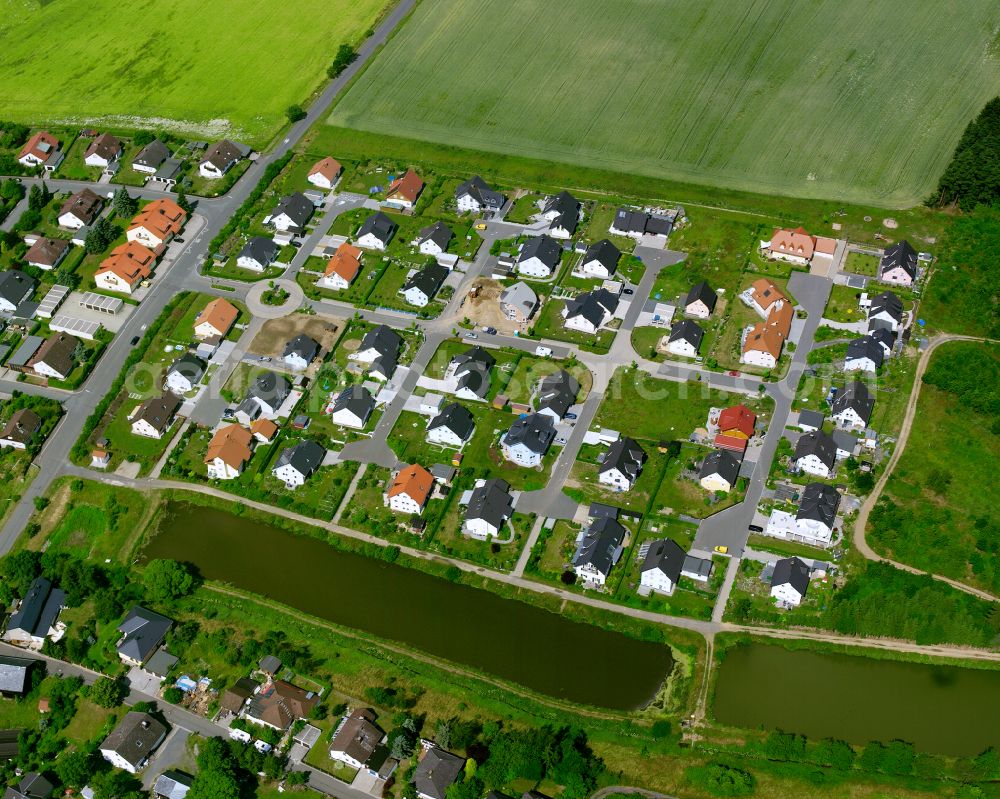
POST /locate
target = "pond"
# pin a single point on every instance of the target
(947, 710)
(503, 637)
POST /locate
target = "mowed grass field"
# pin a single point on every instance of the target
(205, 67)
(857, 101)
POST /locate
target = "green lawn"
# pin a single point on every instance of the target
(843, 306)
(583, 479)
(213, 90)
(680, 494)
(862, 264)
(549, 324)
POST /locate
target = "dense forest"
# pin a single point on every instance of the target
(973, 176)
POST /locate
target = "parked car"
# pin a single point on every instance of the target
(491, 330)
(733, 373)
(756, 528)
(135, 340)
(628, 291)
(722, 550)
(570, 415)
(543, 352)
(470, 334)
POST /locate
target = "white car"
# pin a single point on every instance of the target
(543, 352)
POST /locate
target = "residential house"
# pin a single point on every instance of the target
(622, 464)
(476, 195)
(376, 232)
(539, 257)
(815, 454)
(886, 339)
(172, 784)
(80, 210)
(762, 296)
(847, 443)
(157, 223)
(32, 786)
(563, 212)
(809, 421)
(292, 213)
(238, 694)
(453, 426)
(528, 439)
(300, 351)
(557, 394)
(852, 407)
(184, 374)
(220, 158)
(794, 246)
(103, 151)
(898, 264)
(216, 319)
(436, 772)
(153, 417)
(736, 427)
(264, 430)
(472, 370)
(661, 568)
(383, 368)
(257, 254)
(279, 704)
(125, 267)
(420, 289)
(636, 224)
(405, 190)
(518, 302)
(142, 633)
(15, 288)
(590, 311)
(489, 508)
(42, 149)
(700, 301)
(46, 253)
(790, 581)
(36, 615)
(297, 463)
(15, 674)
(342, 268)
(601, 259)
(411, 488)
(764, 341)
(380, 341)
(228, 452)
(133, 741)
(813, 522)
(864, 354)
(719, 471)
(358, 742)
(885, 313)
(598, 549)
(685, 338)
(151, 157)
(20, 430)
(325, 173)
(56, 358)
(352, 407)
(434, 239)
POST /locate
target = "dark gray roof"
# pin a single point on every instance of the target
(38, 609)
(135, 737)
(626, 456)
(378, 224)
(491, 502)
(819, 503)
(592, 305)
(721, 462)
(558, 392)
(224, 153)
(472, 359)
(687, 330)
(855, 395)
(480, 190)
(383, 365)
(439, 233)
(15, 285)
(900, 254)
(436, 772)
(304, 346)
(600, 545)
(190, 366)
(866, 347)
(701, 291)
(696, 565)
(883, 336)
(296, 207)
(600, 510)
(544, 248)
(159, 411)
(791, 571)
(665, 555)
(152, 155)
(605, 252)
(32, 786)
(568, 209)
(811, 418)
(383, 339)
(270, 664)
(144, 630)
(819, 444)
(305, 457)
(14, 674)
(889, 303)
(428, 279)
(633, 221)
(270, 387)
(456, 418)
(535, 431)
(357, 399)
(263, 250)
(844, 440)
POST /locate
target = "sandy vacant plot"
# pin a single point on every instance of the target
(275, 333)
(483, 310)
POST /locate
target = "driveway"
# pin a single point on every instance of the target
(171, 754)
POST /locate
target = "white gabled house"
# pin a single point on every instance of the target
(598, 549)
(622, 464)
(789, 581)
(539, 257)
(453, 426)
(489, 508)
(661, 568)
(410, 489)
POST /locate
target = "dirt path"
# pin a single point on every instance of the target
(911, 411)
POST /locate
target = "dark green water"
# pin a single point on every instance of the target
(941, 709)
(512, 640)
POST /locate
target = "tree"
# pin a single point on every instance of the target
(719, 779)
(167, 580)
(833, 753)
(99, 236)
(124, 204)
(75, 768)
(471, 788)
(344, 56)
(182, 200)
(295, 113)
(214, 784)
(442, 733)
(108, 692)
(115, 784)
(173, 695)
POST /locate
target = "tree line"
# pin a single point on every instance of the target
(973, 176)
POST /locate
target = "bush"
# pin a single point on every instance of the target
(719, 779)
(295, 113)
(107, 692)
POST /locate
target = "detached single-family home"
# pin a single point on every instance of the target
(557, 393)
(794, 246)
(133, 741)
(528, 439)
(157, 223)
(33, 785)
(324, 173)
(80, 210)
(102, 151)
(736, 428)
(358, 742)
(405, 190)
(898, 264)
(420, 289)
(125, 267)
(142, 632)
(292, 213)
(228, 453)
(453, 426)
(15, 288)
(216, 319)
(257, 254)
(220, 158)
(685, 338)
(790, 581)
(518, 302)
(376, 232)
(434, 239)
(381, 341)
(151, 157)
(42, 150)
(154, 416)
(622, 464)
(762, 295)
(662, 566)
(601, 259)
(489, 507)
(411, 488)
(15, 682)
(765, 340)
(847, 443)
(885, 313)
(809, 421)
(21, 429)
(700, 301)
(476, 195)
(352, 407)
(813, 522)
(265, 396)
(562, 211)
(597, 551)
(539, 257)
(864, 354)
(46, 253)
(436, 772)
(35, 617)
(816, 454)
(300, 351)
(279, 704)
(184, 374)
(383, 368)
(852, 407)
(295, 464)
(472, 369)
(636, 224)
(342, 268)
(719, 471)
(590, 311)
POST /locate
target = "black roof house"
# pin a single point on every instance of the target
(723, 463)
(885, 303)
(261, 249)
(152, 155)
(428, 280)
(296, 207)
(902, 255)
(380, 226)
(601, 545)
(604, 252)
(491, 502)
(686, 330)
(437, 772)
(38, 609)
(357, 399)
(384, 340)
(15, 285)
(626, 456)
(592, 305)
(793, 572)
(304, 346)
(270, 387)
(819, 444)
(190, 367)
(143, 631)
(667, 556)
(819, 502)
(557, 392)
(457, 418)
(856, 396)
(32, 786)
(14, 673)
(439, 233)
(567, 210)
(544, 248)
(480, 191)
(305, 457)
(535, 431)
(865, 347)
(702, 291)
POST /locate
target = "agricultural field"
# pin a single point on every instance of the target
(160, 65)
(715, 122)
